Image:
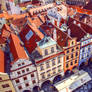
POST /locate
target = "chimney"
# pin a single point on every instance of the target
(69, 32)
(55, 35)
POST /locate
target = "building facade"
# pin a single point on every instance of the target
(23, 75)
(72, 51)
(22, 72)
(49, 60)
(5, 83)
(85, 51)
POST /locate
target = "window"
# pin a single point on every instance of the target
(47, 65)
(75, 61)
(71, 63)
(23, 71)
(18, 72)
(43, 75)
(0, 78)
(6, 85)
(53, 62)
(20, 87)
(72, 56)
(58, 59)
(29, 35)
(77, 48)
(54, 70)
(27, 69)
(46, 52)
(9, 91)
(76, 53)
(72, 43)
(87, 55)
(52, 50)
(23, 63)
(41, 67)
(25, 78)
(67, 51)
(32, 75)
(3, 86)
(33, 81)
(72, 49)
(48, 75)
(59, 68)
(19, 64)
(83, 50)
(89, 49)
(67, 57)
(67, 65)
(17, 81)
(27, 84)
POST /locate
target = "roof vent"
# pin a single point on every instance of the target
(74, 22)
(79, 25)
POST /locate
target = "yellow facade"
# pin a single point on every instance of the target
(50, 66)
(5, 83)
(71, 58)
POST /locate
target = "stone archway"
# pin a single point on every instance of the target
(82, 65)
(57, 79)
(36, 89)
(46, 84)
(75, 69)
(26, 91)
(68, 73)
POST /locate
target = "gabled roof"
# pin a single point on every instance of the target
(2, 62)
(16, 48)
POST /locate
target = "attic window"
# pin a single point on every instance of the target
(29, 35)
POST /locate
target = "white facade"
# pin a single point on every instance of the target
(23, 75)
(85, 51)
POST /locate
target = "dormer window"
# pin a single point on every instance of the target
(46, 52)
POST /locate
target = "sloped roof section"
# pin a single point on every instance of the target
(2, 66)
(16, 48)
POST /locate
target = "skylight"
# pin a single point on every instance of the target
(29, 35)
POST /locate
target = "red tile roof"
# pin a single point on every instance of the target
(31, 43)
(16, 48)
(2, 40)
(78, 31)
(60, 34)
(2, 62)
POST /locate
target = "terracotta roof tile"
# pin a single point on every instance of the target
(2, 63)
(16, 48)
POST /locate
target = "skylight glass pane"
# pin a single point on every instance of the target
(29, 35)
